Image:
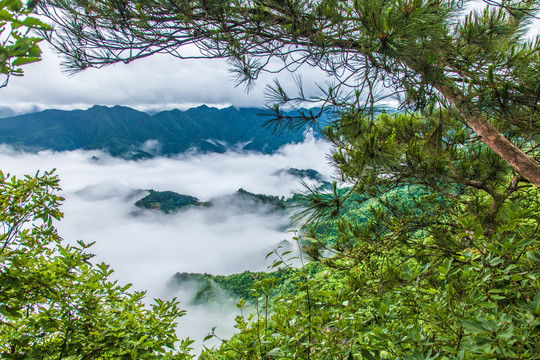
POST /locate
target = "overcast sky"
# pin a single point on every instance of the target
(154, 83)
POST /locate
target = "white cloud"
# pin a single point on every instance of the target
(154, 83)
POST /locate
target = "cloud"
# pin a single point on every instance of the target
(145, 247)
(155, 83)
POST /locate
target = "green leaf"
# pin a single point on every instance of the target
(475, 326)
(25, 60)
(366, 354)
(35, 23)
(536, 304)
(383, 309)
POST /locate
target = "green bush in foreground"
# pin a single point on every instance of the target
(56, 304)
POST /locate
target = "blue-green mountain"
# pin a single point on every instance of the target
(126, 132)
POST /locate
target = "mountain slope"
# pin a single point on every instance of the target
(123, 131)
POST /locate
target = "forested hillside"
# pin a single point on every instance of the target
(126, 132)
(439, 258)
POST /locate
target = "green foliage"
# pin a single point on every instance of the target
(444, 261)
(217, 288)
(302, 173)
(17, 48)
(169, 201)
(166, 201)
(441, 261)
(56, 304)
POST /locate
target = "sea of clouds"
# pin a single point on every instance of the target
(146, 248)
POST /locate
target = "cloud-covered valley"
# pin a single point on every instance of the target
(146, 248)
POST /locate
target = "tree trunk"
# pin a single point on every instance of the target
(525, 166)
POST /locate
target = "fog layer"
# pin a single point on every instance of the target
(147, 247)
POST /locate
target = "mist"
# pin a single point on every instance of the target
(145, 247)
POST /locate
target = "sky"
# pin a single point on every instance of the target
(155, 83)
(159, 82)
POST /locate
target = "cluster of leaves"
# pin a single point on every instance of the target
(54, 303)
(17, 47)
(444, 263)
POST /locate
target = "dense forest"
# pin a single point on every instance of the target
(170, 201)
(166, 201)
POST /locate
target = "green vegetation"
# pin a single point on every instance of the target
(243, 287)
(55, 304)
(434, 250)
(17, 48)
(169, 201)
(439, 258)
(166, 201)
(302, 173)
(212, 288)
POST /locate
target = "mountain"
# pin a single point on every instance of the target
(126, 132)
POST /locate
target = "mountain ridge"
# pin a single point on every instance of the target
(124, 131)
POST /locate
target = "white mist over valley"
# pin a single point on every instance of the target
(145, 247)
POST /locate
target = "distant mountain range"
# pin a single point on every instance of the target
(126, 132)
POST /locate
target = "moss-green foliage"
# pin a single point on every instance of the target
(166, 201)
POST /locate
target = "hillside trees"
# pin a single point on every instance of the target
(17, 46)
(478, 64)
(55, 303)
